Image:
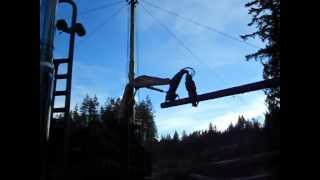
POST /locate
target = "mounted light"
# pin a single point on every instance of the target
(79, 29)
(62, 25)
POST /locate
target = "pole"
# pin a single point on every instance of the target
(47, 19)
(132, 53)
(131, 75)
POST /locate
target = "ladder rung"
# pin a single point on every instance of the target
(60, 93)
(61, 61)
(55, 110)
(61, 76)
(56, 120)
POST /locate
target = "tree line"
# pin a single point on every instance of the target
(175, 156)
(92, 113)
(95, 127)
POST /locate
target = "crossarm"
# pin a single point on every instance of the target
(226, 92)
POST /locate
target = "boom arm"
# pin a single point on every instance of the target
(149, 81)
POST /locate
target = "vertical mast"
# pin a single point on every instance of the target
(132, 62)
(131, 103)
(47, 25)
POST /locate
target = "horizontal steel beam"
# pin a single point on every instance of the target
(227, 92)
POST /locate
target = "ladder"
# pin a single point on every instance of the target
(73, 29)
(66, 92)
(64, 124)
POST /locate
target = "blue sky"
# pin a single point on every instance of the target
(101, 57)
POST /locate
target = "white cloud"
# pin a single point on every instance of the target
(96, 79)
(220, 113)
(256, 110)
